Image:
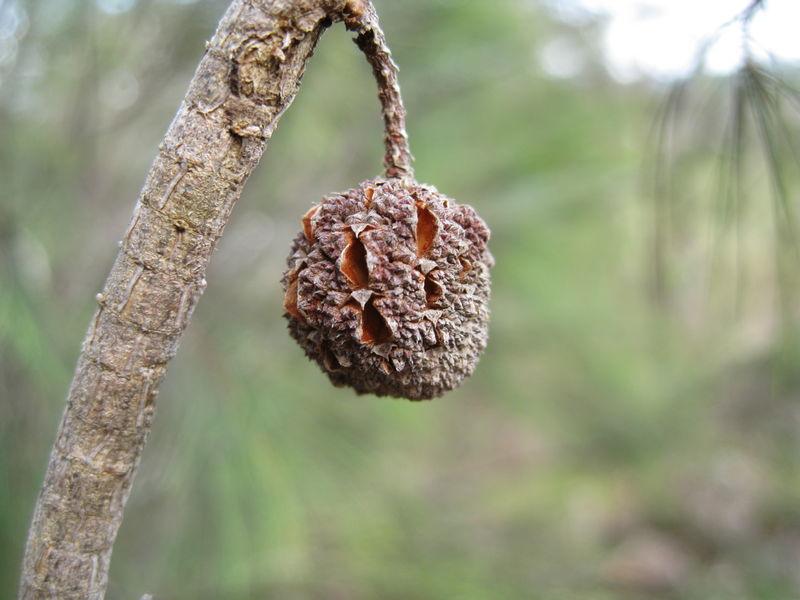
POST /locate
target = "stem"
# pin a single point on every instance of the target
(248, 77)
(372, 42)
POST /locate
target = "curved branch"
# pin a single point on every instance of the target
(372, 43)
(249, 75)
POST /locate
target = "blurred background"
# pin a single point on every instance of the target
(633, 430)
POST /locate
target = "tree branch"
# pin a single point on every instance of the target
(249, 75)
(372, 43)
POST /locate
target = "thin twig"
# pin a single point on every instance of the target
(362, 18)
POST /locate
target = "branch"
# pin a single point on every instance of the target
(372, 43)
(249, 75)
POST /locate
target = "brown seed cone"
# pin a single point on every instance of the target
(387, 288)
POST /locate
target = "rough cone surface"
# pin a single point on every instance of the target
(387, 288)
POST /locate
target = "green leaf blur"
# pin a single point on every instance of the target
(625, 436)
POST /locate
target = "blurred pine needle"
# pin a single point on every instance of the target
(748, 126)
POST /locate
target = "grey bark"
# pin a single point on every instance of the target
(249, 75)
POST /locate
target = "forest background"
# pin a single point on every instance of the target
(633, 430)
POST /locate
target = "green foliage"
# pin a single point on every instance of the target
(608, 447)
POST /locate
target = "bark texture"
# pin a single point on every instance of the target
(249, 75)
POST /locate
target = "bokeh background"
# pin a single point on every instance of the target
(633, 430)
